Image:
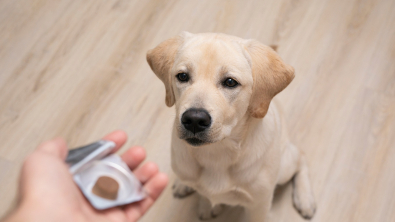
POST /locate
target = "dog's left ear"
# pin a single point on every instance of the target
(161, 60)
(271, 75)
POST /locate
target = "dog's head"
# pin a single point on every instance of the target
(215, 80)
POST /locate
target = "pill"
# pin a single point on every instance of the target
(106, 187)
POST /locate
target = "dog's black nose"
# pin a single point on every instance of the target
(196, 120)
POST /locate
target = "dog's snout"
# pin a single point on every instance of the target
(196, 120)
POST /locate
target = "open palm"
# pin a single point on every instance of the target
(48, 192)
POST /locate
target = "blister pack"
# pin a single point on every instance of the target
(105, 180)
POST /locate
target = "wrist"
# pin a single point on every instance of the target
(35, 213)
(15, 215)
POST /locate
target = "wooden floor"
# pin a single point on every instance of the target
(77, 69)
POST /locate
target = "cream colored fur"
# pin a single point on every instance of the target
(247, 150)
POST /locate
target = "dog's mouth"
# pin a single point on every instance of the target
(195, 141)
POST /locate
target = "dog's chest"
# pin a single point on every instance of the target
(211, 174)
(220, 186)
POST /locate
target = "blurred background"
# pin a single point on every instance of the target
(77, 69)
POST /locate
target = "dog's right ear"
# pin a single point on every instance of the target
(161, 60)
(270, 73)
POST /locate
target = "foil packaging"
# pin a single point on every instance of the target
(91, 162)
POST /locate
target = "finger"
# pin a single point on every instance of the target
(119, 137)
(56, 147)
(134, 156)
(154, 188)
(146, 172)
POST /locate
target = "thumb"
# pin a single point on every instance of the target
(56, 147)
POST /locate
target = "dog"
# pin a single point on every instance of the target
(229, 140)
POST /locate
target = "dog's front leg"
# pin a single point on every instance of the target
(180, 190)
(206, 210)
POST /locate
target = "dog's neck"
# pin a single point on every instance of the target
(240, 132)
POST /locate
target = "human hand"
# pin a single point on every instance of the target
(48, 191)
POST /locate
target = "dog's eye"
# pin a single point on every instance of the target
(229, 82)
(183, 77)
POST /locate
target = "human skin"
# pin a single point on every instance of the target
(48, 193)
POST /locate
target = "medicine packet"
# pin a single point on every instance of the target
(92, 164)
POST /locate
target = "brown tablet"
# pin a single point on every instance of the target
(106, 187)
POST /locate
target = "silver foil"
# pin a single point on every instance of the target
(89, 163)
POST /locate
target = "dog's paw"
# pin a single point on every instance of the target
(210, 213)
(304, 204)
(181, 191)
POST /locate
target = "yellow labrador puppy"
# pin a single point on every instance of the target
(229, 141)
